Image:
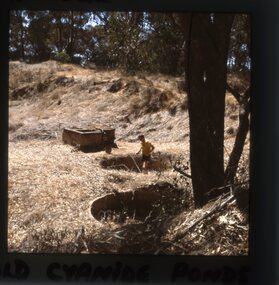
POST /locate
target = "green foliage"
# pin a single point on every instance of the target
(62, 57)
(130, 41)
(240, 44)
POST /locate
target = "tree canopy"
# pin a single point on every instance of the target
(131, 41)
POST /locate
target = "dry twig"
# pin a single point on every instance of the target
(181, 172)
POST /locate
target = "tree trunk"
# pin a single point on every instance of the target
(240, 138)
(208, 46)
(70, 44)
(22, 51)
(185, 24)
(59, 31)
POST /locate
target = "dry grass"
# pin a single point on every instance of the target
(51, 184)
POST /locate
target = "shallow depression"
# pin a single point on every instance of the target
(159, 162)
(142, 203)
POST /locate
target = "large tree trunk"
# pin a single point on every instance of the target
(206, 74)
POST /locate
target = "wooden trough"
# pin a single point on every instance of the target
(89, 138)
(138, 204)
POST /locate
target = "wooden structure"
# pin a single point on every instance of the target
(96, 138)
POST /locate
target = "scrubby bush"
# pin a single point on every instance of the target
(62, 57)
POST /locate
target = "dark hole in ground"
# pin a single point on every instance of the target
(159, 162)
(145, 203)
(91, 149)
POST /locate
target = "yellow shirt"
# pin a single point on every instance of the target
(146, 147)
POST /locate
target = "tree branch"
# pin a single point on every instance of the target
(234, 92)
(243, 129)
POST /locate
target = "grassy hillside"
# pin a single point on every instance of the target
(52, 185)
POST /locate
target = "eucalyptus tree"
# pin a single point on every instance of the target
(18, 32)
(208, 39)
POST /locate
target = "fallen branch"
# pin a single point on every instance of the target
(182, 172)
(181, 235)
(227, 186)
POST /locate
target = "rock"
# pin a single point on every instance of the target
(41, 87)
(115, 86)
(132, 87)
(63, 81)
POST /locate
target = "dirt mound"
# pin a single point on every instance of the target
(132, 87)
(22, 73)
(40, 135)
(34, 89)
(56, 96)
(153, 100)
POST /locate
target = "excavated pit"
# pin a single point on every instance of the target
(148, 202)
(159, 162)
